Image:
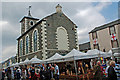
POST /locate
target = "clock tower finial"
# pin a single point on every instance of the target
(29, 14)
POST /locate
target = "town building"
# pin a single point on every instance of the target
(55, 33)
(9, 62)
(106, 37)
(84, 47)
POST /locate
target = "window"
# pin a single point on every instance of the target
(21, 48)
(96, 46)
(104, 50)
(62, 39)
(35, 40)
(112, 30)
(27, 45)
(31, 23)
(114, 43)
(94, 35)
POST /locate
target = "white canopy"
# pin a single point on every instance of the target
(93, 51)
(110, 51)
(97, 53)
(116, 54)
(35, 60)
(56, 56)
(16, 64)
(21, 63)
(27, 61)
(74, 55)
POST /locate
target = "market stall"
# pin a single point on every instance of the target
(35, 60)
(55, 58)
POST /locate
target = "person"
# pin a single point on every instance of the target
(98, 71)
(107, 62)
(14, 71)
(50, 71)
(36, 76)
(3, 74)
(8, 74)
(23, 74)
(19, 70)
(69, 68)
(86, 68)
(111, 72)
(18, 75)
(106, 70)
(56, 72)
(32, 72)
(42, 76)
(80, 69)
(63, 70)
(117, 70)
(26, 72)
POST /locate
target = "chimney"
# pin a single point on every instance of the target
(58, 9)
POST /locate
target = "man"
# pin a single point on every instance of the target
(56, 72)
(98, 71)
(3, 74)
(50, 71)
(111, 72)
(26, 72)
(18, 75)
(32, 72)
(8, 73)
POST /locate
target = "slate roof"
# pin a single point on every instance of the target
(28, 18)
(34, 25)
(105, 26)
(29, 29)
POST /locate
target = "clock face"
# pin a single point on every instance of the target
(31, 23)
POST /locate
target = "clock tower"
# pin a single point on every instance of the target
(27, 22)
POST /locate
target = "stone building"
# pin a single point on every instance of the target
(55, 33)
(106, 37)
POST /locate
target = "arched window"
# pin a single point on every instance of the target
(62, 39)
(27, 43)
(21, 47)
(35, 40)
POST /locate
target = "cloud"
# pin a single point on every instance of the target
(8, 52)
(85, 15)
(88, 18)
(102, 5)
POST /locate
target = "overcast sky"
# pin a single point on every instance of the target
(86, 15)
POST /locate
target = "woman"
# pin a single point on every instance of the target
(36, 76)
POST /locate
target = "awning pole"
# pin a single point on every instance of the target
(75, 68)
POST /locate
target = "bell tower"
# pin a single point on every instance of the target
(27, 21)
(58, 9)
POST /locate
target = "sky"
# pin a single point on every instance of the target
(86, 15)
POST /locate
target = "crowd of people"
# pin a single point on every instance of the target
(52, 71)
(43, 72)
(110, 73)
